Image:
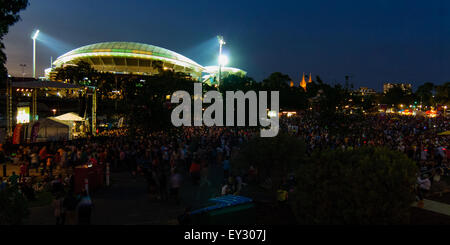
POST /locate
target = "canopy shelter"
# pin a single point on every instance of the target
(78, 123)
(444, 133)
(49, 129)
(34, 85)
(72, 117)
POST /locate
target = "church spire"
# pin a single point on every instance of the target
(310, 78)
(303, 82)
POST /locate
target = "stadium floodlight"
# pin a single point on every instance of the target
(34, 37)
(223, 60)
(221, 43)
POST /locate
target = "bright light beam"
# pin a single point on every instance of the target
(35, 35)
(223, 60)
(34, 52)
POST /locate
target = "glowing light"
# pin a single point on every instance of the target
(23, 114)
(272, 114)
(221, 41)
(223, 60)
(35, 35)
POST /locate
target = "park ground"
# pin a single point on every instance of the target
(126, 202)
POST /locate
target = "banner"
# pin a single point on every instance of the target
(34, 132)
(16, 135)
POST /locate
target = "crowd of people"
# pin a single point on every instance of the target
(417, 137)
(166, 158)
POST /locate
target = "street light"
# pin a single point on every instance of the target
(221, 43)
(34, 37)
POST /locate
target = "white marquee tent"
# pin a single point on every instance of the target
(73, 117)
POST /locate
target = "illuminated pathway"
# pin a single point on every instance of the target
(437, 207)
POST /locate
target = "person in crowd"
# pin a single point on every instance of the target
(194, 171)
(85, 207)
(69, 206)
(175, 184)
(13, 179)
(424, 185)
(226, 168)
(58, 209)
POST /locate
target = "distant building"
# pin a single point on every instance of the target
(364, 91)
(407, 87)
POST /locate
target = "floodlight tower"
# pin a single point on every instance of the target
(34, 37)
(221, 43)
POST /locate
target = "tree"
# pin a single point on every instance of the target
(443, 93)
(291, 98)
(424, 94)
(363, 186)
(81, 73)
(397, 95)
(276, 81)
(145, 104)
(9, 14)
(234, 82)
(273, 157)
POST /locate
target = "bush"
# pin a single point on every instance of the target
(13, 207)
(363, 186)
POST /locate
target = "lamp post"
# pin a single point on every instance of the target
(34, 52)
(221, 43)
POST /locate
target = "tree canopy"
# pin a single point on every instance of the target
(363, 186)
(9, 14)
(397, 95)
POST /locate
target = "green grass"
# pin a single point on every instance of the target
(42, 199)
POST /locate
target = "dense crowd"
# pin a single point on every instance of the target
(417, 137)
(165, 158)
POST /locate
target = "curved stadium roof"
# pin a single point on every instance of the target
(131, 51)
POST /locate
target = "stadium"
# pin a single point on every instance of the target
(134, 58)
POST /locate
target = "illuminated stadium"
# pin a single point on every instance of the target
(131, 58)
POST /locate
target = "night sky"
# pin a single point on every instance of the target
(371, 41)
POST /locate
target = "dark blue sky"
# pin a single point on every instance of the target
(372, 41)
